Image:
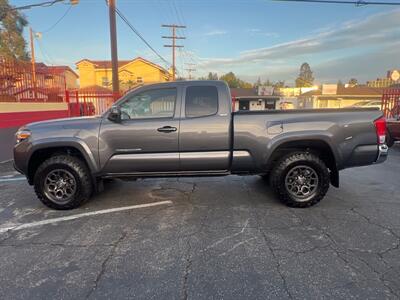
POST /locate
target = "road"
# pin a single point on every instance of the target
(7, 142)
(205, 238)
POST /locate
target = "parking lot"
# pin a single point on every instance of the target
(204, 238)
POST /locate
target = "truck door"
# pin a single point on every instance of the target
(204, 136)
(146, 139)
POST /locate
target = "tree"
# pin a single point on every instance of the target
(12, 23)
(340, 83)
(268, 83)
(353, 82)
(234, 82)
(212, 76)
(258, 83)
(279, 84)
(305, 78)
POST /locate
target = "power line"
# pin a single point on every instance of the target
(190, 69)
(174, 37)
(44, 53)
(58, 21)
(120, 14)
(357, 3)
(42, 4)
(181, 31)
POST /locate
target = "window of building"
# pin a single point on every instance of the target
(104, 81)
(139, 80)
(158, 103)
(201, 101)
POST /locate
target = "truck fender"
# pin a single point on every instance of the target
(307, 140)
(73, 142)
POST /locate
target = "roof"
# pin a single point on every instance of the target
(96, 89)
(45, 91)
(243, 92)
(265, 97)
(106, 64)
(59, 70)
(360, 90)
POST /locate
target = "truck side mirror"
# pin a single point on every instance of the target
(115, 114)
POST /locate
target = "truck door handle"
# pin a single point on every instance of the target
(167, 129)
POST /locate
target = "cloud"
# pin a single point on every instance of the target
(375, 33)
(259, 32)
(216, 32)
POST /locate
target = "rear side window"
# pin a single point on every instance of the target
(201, 101)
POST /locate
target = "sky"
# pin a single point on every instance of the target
(254, 38)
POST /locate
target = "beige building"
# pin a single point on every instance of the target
(94, 73)
(295, 91)
(71, 78)
(334, 96)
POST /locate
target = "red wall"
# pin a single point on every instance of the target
(16, 119)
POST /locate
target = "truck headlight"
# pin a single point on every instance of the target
(22, 134)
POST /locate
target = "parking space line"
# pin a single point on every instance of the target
(7, 178)
(82, 215)
(6, 161)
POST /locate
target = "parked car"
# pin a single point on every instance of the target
(82, 109)
(366, 104)
(393, 131)
(187, 128)
(285, 105)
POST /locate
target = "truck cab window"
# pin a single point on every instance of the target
(201, 101)
(158, 103)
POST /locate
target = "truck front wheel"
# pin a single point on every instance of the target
(63, 182)
(300, 179)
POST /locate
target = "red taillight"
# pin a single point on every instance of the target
(380, 125)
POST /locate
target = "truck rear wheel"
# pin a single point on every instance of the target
(389, 140)
(63, 182)
(301, 179)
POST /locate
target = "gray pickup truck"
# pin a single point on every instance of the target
(188, 129)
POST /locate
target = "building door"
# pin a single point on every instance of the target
(244, 104)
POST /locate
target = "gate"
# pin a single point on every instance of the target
(88, 103)
(391, 103)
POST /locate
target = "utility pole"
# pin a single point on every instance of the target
(33, 63)
(190, 69)
(114, 49)
(174, 45)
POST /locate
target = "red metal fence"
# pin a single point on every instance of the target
(88, 103)
(391, 103)
(20, 81)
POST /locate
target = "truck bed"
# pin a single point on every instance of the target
(350, 134)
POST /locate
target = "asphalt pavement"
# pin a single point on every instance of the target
(7, 142)
(204, 238)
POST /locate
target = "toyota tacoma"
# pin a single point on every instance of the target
(188, 128)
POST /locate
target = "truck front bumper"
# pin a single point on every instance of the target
(383, 150)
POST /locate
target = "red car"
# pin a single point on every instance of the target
(393, 131)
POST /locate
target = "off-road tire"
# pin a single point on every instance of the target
(389, 140)
(285, 164)
(73, 165)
